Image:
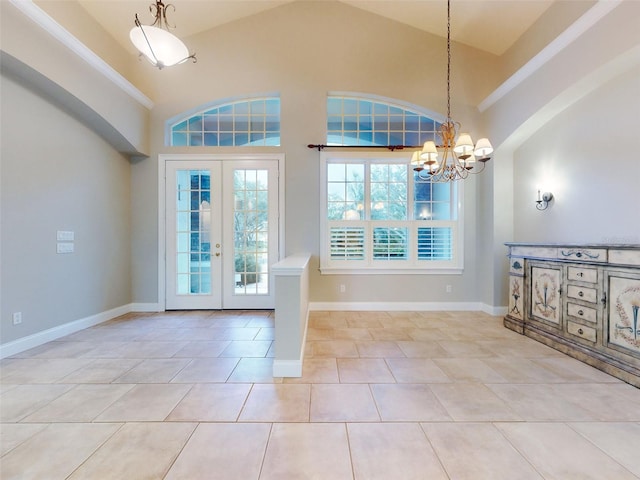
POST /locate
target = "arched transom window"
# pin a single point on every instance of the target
(246, 122)
(354, 120)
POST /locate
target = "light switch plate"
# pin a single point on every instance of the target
(65, 247)
(65, 236)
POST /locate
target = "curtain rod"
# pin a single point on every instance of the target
(321, 147)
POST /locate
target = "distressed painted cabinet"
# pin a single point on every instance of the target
(583, 300)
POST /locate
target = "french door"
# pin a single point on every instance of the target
(221, 233)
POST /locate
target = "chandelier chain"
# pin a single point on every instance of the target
(448, 61)
(457, 155)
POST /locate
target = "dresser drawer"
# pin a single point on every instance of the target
(582, 293)
(625, 257)
(582, 274)
(584, 254)
(580, 311)
(582, 331)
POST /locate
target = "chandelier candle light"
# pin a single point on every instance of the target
(458, 157)
(158, 45)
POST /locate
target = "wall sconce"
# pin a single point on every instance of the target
(543, 201)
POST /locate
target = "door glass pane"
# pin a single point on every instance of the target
(251, 232)
(193, 226)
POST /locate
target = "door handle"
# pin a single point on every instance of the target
(217, 254)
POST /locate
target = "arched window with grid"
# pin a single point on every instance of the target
(357, 120)
(253, 121)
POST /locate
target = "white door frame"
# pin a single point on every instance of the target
(163, 158)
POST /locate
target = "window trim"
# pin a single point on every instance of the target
(413, 266)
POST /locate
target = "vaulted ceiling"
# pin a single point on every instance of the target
(492, 26)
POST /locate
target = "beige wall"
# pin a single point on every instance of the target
(74, 76)
(57, 174)
(84, 27)
(304, 50)
(547, 28)
(597, 55)
(589, 166)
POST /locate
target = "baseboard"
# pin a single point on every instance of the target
(146, 307)
(495, 311)
(287, 368)
(39, 338)
(397, 306)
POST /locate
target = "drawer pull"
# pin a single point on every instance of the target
(581, 293)
(580, 331)
(580, 312)
(580, 274)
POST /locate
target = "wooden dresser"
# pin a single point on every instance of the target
(583, 300)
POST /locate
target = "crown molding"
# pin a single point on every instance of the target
(42, 19)
(575, 30)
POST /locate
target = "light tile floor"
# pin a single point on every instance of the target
(384, 395)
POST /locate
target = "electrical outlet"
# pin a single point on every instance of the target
(448, 289)
(17, 318)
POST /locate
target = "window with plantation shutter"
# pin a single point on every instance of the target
(390, 243)
(379, 216)
(434, 243)
(347, 243)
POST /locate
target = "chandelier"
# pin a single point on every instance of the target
(455, 158)
(156, 43)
